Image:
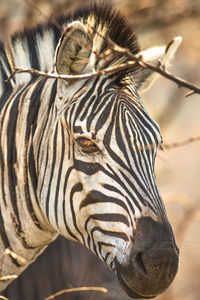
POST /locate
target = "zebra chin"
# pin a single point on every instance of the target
(153, 262)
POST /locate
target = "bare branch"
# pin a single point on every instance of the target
(166, 146)
(106, 71)
(161, 70)
(111, 70)
(108, 55)
(181, 82)
(143, 64)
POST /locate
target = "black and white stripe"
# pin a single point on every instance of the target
(50, 184)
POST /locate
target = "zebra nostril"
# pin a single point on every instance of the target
(138, 263)
(153, 260)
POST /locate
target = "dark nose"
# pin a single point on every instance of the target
(153, 262)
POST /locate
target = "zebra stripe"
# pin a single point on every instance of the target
(77, 158)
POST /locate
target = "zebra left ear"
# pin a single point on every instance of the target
(74, 50)
(155, 56)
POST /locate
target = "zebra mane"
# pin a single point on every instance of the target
(35, 47)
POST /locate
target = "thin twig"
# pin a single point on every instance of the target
(78, 289)
(181, 82)
(159, 69)
(105, 71)
(143, 64)
(135, 60)
(111, 70)
(166, 146)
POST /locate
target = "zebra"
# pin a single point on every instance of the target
(77, 156)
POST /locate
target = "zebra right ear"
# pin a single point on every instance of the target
(156, 56)
(74, 50)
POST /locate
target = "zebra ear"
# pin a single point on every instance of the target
(155, 56)
(74, 50)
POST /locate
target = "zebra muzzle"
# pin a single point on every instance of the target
(153, 262)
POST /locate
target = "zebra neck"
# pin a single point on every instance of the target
(23, 228)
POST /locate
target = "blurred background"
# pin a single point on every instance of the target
(178, 170)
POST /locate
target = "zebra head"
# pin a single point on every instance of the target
(102, 152)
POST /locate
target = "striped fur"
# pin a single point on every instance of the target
(52, 182)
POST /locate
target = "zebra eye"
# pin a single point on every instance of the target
(87, 145)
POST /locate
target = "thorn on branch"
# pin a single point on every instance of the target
(190, 93)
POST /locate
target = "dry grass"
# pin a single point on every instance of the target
(80, 289)
(71, 290)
